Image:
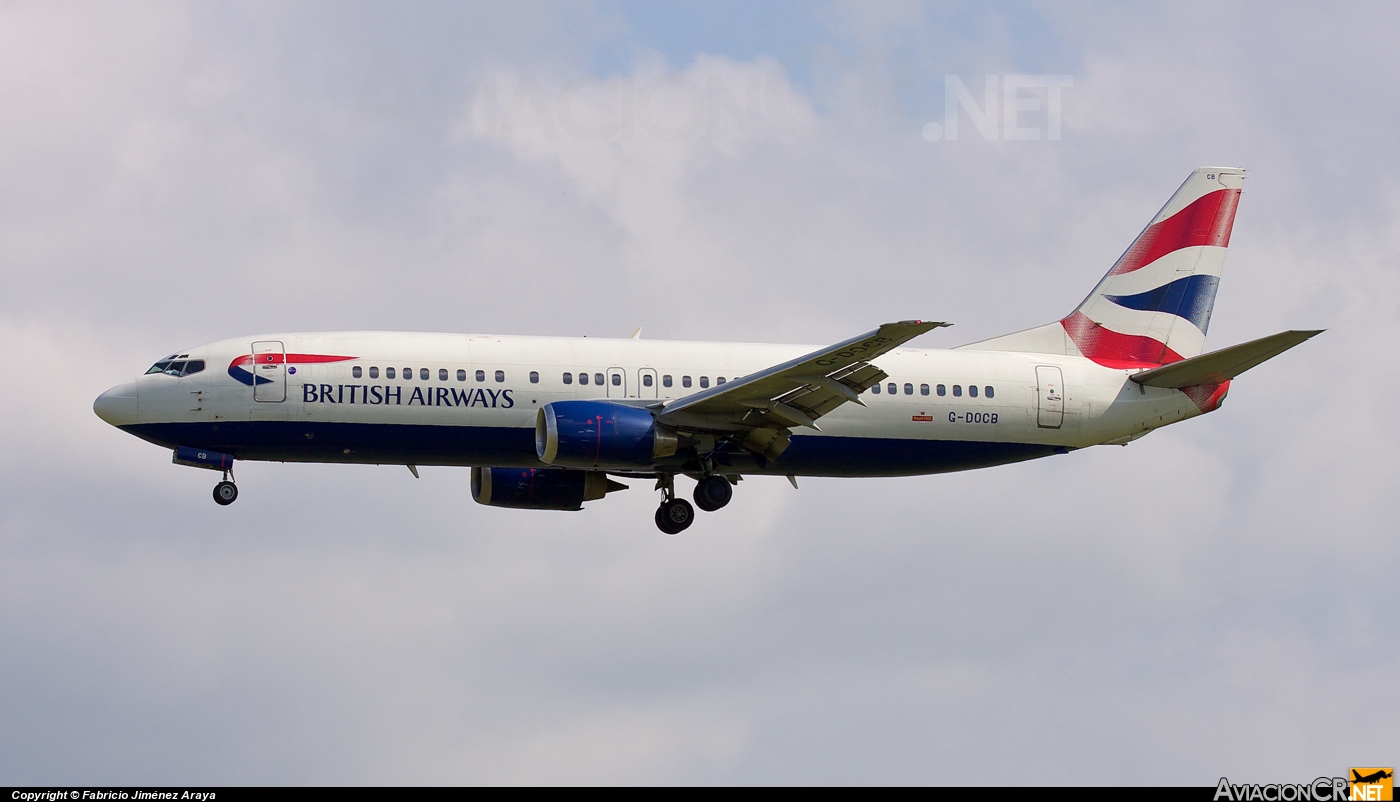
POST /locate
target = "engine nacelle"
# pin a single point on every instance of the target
(539, 488)
(599, 434)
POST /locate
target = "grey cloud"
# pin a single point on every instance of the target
(1208, 601)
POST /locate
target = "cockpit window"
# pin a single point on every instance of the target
(173, 367)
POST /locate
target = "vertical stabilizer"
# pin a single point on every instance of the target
(1154, 306)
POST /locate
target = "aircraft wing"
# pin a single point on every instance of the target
(794, 394)
(1223, 365)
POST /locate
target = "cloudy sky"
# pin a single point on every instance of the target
(1209, 601)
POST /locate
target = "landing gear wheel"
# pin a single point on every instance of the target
(674, 516)
(713, 492)
(225, 493)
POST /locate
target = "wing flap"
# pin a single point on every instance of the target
(1220, 366)
(798, 392)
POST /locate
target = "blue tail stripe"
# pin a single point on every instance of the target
(1191, 298)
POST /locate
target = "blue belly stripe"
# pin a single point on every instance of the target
(399, 444)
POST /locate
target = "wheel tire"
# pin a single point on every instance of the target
(713, 492)
(663, 524)
(225, 493)
(677, 514)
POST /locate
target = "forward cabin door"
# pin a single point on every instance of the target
(269, 371)
(1051, 411)
(617, 383)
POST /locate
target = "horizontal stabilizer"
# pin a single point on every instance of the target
(1218, 367)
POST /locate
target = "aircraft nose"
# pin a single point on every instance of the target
(117, 406)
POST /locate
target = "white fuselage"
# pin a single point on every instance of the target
(477, 405)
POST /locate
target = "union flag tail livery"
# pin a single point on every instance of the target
(545, 423)
(1153, 308)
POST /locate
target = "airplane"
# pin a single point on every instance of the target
(1374, 777)
(549, 423)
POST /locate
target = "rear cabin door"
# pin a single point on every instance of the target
(269, 371)
(617, 383)
(647, 384)
(1051, 411)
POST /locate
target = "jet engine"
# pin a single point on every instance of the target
(539, 488)
(599, 434)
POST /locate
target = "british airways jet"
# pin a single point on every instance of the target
(549, 423)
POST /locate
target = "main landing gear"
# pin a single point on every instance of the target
(713, 492)
(226, 492)
(674, 515)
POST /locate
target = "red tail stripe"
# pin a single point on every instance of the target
(1207, 221)
(1114, 350)
(1207, 396)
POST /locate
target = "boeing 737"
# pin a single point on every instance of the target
(549, 423)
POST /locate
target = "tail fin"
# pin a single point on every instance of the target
(1153, 307)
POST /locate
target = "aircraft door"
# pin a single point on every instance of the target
(269, 371)
(617, 383)
(1051, 409)
(647, 384)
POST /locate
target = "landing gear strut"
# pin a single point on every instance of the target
(675, 514)
(713, 492)
(226, 492)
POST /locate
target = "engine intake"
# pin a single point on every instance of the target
(539, 488)
(599, 434)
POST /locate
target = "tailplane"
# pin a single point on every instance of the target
(1153, 308)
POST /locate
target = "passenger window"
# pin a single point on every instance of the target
(582, 378)
(990, 392)
(617, 379)
(388, 373)
(957, 391)
(875, 389)
(408, 373)
(569, 378)
(442, 374)
(355, 371)
(646, 379)
(423, 374)
(481, 375)
(719, 381)
(500, 375)
(942, 390)
(534, 377)
(685, 381)
(461, 375)
(892, 388)
(908, 389)
(194, 366)
(972, 390)
(923, 389)
(598, 379)
(704, 382)
(374, 372)
(666, 380)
